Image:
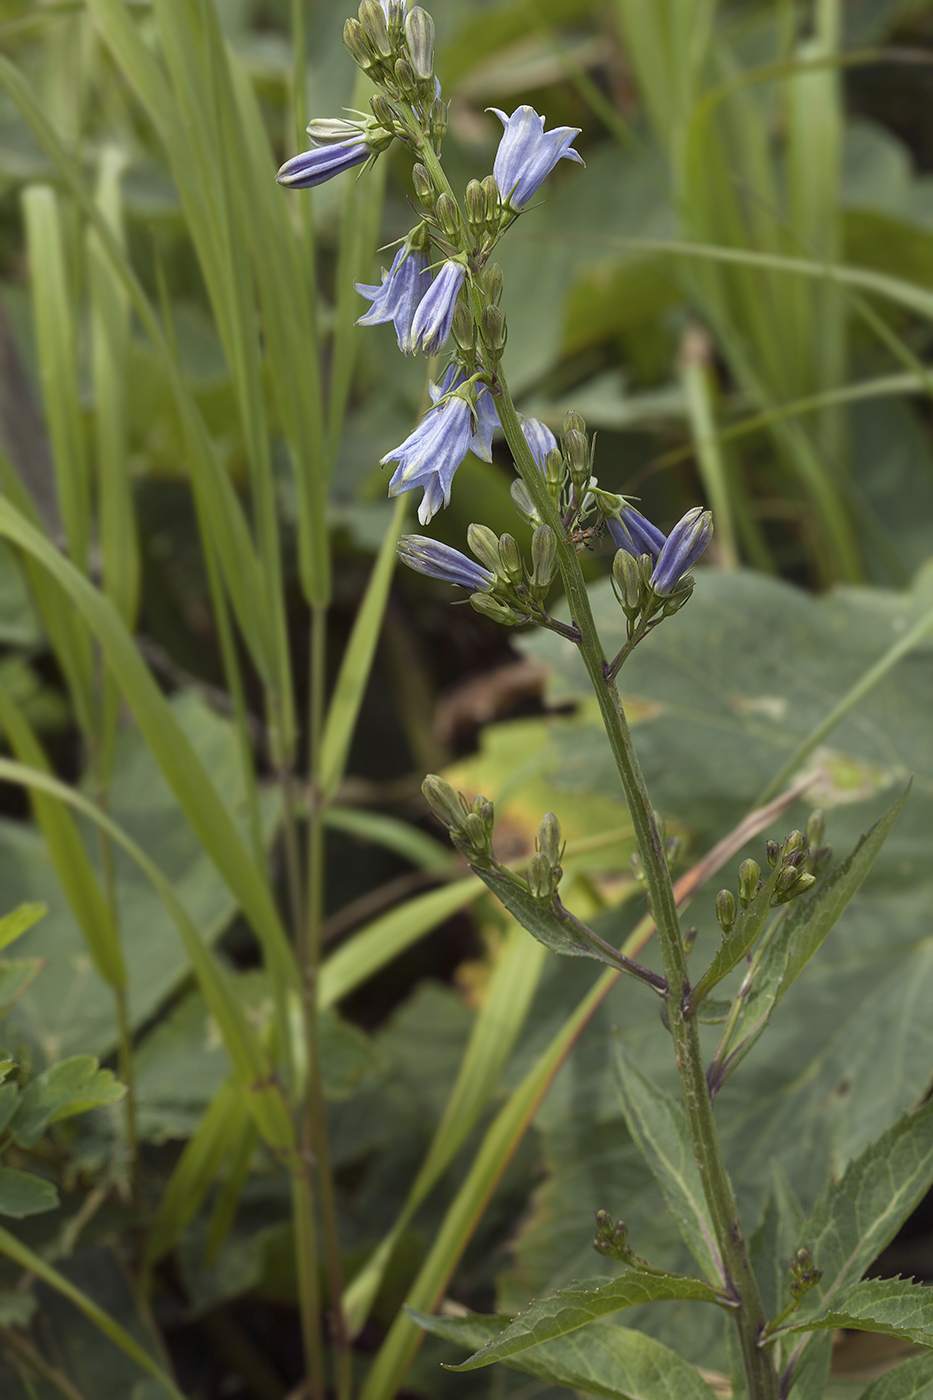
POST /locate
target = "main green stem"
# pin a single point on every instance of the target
(738, 1278)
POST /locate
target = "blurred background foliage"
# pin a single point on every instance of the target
(153, 421)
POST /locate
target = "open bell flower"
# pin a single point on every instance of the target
(539, 438)
(682, 549)
(438, 560)
(527, 154)
(434, 315)
(397, 299)
(430, 455)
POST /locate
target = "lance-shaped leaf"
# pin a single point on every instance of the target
(744, 934)
(581, 1304)
(556, 927)
(608, 1361)
(806, 928)
(854, 1220)
(897, 1307)
(658, 1125)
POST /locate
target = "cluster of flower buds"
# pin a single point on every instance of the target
(544, 869)
(798, 860)
(503, 585)
(468, 824)
(803, 1274)
(612, 1241)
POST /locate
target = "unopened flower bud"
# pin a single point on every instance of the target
(791, 884)
(439, 119)
(612, 1237)
(495, 331)
(676, 601)
(725, 910)
(474, 833)
(816, 827)
(539, 876)
(357, 46)
(749, 875)
(443, 801)
(492, 283)
(492, 201)
(496, 611)
(419, 41)
(475, 202)
(424, 186)
(484, 809)
(804, 1275)
(772, 851)
(549, 838)
(574, 423)
(461, 327)
(522, 500)
(484, 543)
(794, 841)
(543, 557)
(373, 24)
(511, 559)
(405, 78)
(554, 471)
(448, 215)
(627, 576)
(577, 454)
(382, 110)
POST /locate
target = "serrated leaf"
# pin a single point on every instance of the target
(24, 1193)
(807, 926)
(585, 1302)
(614, 1362)
(64, 1089)
(854, 1220)
(896, 1307)
(658, 1125)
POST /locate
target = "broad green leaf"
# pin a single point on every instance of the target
(658, 1124)
(741, 940)
(604, 1360)
(24, 1193)
(911, 1380)
(19, 921)
(582, 1304)
(857, 1216)
(808, 924)
(897, 1307)
(69, 1087)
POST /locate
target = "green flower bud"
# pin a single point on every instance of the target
(475, 203)
(790, 884)
(725, 910)
(424, 186)
(491, 608)
(549, 838)
(511, 559)
(539, 876)
(419, 41)
(577, 454)
(484, 544)
(493, 203)
(439, 119)
(554, 471)
(816, 828)
(794, 841)
(443, 801)
(373, 24)
(461, 327)
(543, 557)
(357, 46)
(492, 283)
(573, 423)
(495, 331)
(628, 580)
(474, 834)
(522, 500)
(749, 875)
(448, 215)
(803, 1274)
(485, 810)
(772, 851)
(673, 602)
